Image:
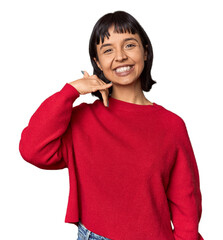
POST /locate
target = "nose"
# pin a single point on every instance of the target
(120, 55)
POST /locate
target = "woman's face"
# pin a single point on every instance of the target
(121, 57)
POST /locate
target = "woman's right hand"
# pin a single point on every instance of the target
(89, 84)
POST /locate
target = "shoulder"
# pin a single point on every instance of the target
(80, 109)
(179, 127)
(84, 109)
(176, 126)
(171, 118)
(86, 106)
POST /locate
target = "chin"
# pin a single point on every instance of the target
(125, 80)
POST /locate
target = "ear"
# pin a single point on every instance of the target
(97, 62)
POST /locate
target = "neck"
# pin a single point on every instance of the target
(131, 94)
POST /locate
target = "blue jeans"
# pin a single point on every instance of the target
(85, 234)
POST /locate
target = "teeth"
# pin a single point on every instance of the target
(123, 69)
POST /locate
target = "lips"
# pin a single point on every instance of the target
(123, 68)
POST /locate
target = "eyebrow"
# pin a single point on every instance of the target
(125, 40)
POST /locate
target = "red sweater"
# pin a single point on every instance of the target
(131, 167)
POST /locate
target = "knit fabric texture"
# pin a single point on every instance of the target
(132, 169)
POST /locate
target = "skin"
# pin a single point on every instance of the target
(117, 50)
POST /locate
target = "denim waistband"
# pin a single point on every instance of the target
(88, 234)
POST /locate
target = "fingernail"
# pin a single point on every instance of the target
(82, 72)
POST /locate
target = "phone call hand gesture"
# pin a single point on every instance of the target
(89, 84)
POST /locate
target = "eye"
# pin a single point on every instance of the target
(130, 45)
(108, 50)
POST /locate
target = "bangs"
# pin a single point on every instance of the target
(121, 25)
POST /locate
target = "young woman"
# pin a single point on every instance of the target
(131, 165)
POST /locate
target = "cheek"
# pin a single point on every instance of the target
(140, 61)
(143, 64)
(106, 67)
(138, 56)
(105, 63)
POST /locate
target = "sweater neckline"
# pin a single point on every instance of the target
(122, 105)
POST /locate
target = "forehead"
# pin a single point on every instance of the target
(116, 36)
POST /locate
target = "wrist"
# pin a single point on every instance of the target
(75, 85)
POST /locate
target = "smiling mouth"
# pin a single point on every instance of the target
(123, 69)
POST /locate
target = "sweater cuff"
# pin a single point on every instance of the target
(71, 91)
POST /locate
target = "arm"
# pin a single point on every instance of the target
(183, 192)
(42, 141)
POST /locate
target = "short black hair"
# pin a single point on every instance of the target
(123, 22)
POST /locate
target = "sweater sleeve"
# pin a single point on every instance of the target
(183, 192)
(42, 141)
